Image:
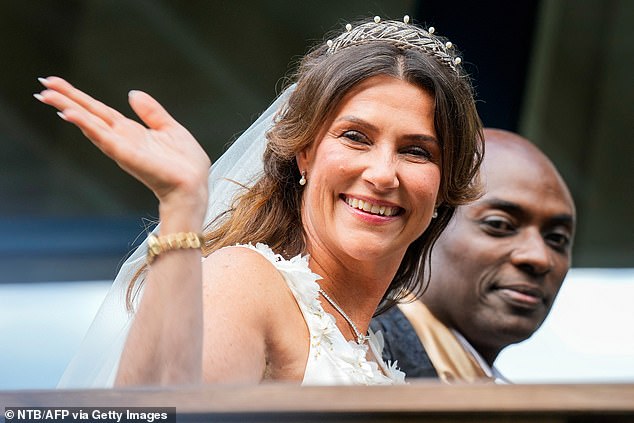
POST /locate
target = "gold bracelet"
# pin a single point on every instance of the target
(157, 245)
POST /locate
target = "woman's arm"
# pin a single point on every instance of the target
(253, 327)
(165, 343)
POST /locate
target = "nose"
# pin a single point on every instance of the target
(532, 254)
(381, 170)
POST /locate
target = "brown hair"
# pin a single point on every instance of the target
(269, 211)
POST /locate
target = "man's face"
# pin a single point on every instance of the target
(501, 261)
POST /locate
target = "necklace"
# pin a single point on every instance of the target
(361, 339)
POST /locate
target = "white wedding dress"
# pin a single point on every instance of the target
(331, 360)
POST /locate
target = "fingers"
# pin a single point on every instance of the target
(93, 128)
(63, 96)
(150, 111)
(100, 134)
(71, 111)
(98, 122)
(72, 97)
(68, 108)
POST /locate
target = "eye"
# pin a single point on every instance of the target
(355, 136)
(557, 240)
(497, 226)
(417, 151)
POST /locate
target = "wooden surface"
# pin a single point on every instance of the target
(413, 402)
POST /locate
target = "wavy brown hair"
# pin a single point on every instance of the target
(270, 210)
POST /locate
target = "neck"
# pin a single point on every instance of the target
(487, 351)
(354, 289)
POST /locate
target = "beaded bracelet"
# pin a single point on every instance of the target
(157, 245)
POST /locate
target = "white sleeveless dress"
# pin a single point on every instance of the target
(332, 360)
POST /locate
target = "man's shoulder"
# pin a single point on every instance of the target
(402, 345)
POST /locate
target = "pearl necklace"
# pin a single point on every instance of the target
(361, 339)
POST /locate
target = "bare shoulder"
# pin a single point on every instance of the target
(242, 279)
(253, 326)
(242, 264)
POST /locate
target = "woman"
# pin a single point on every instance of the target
(364, 163)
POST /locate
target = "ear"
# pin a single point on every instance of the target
(305, 158)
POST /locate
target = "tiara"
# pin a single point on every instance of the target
(401, 34)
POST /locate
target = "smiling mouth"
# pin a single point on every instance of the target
(372, 208)
(521, 296)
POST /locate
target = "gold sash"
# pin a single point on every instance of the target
(451, 361)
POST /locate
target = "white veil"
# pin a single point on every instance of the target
(96, 362)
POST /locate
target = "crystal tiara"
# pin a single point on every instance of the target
(401, 34)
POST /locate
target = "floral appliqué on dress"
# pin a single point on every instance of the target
(332, 359)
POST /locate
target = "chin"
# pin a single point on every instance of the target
(519, 332)
(369, 247)
(367, 254)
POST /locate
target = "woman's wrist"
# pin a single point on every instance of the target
(173, 241)
(183, 212)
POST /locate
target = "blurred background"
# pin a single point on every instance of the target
(557, 71)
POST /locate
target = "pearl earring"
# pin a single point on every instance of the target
(435, 214)
(302, 181)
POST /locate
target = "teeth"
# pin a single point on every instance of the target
(371, 208)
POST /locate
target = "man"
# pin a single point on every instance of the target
(495, 270)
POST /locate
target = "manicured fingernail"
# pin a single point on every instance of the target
(62, 115)
(132, 92)
(43, 81)
(39, 96)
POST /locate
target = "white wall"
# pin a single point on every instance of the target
(41, 325)
(588, 337)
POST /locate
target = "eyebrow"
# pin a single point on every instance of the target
(362, 122)
(563, 219)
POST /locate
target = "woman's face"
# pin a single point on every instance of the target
(373, 172)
